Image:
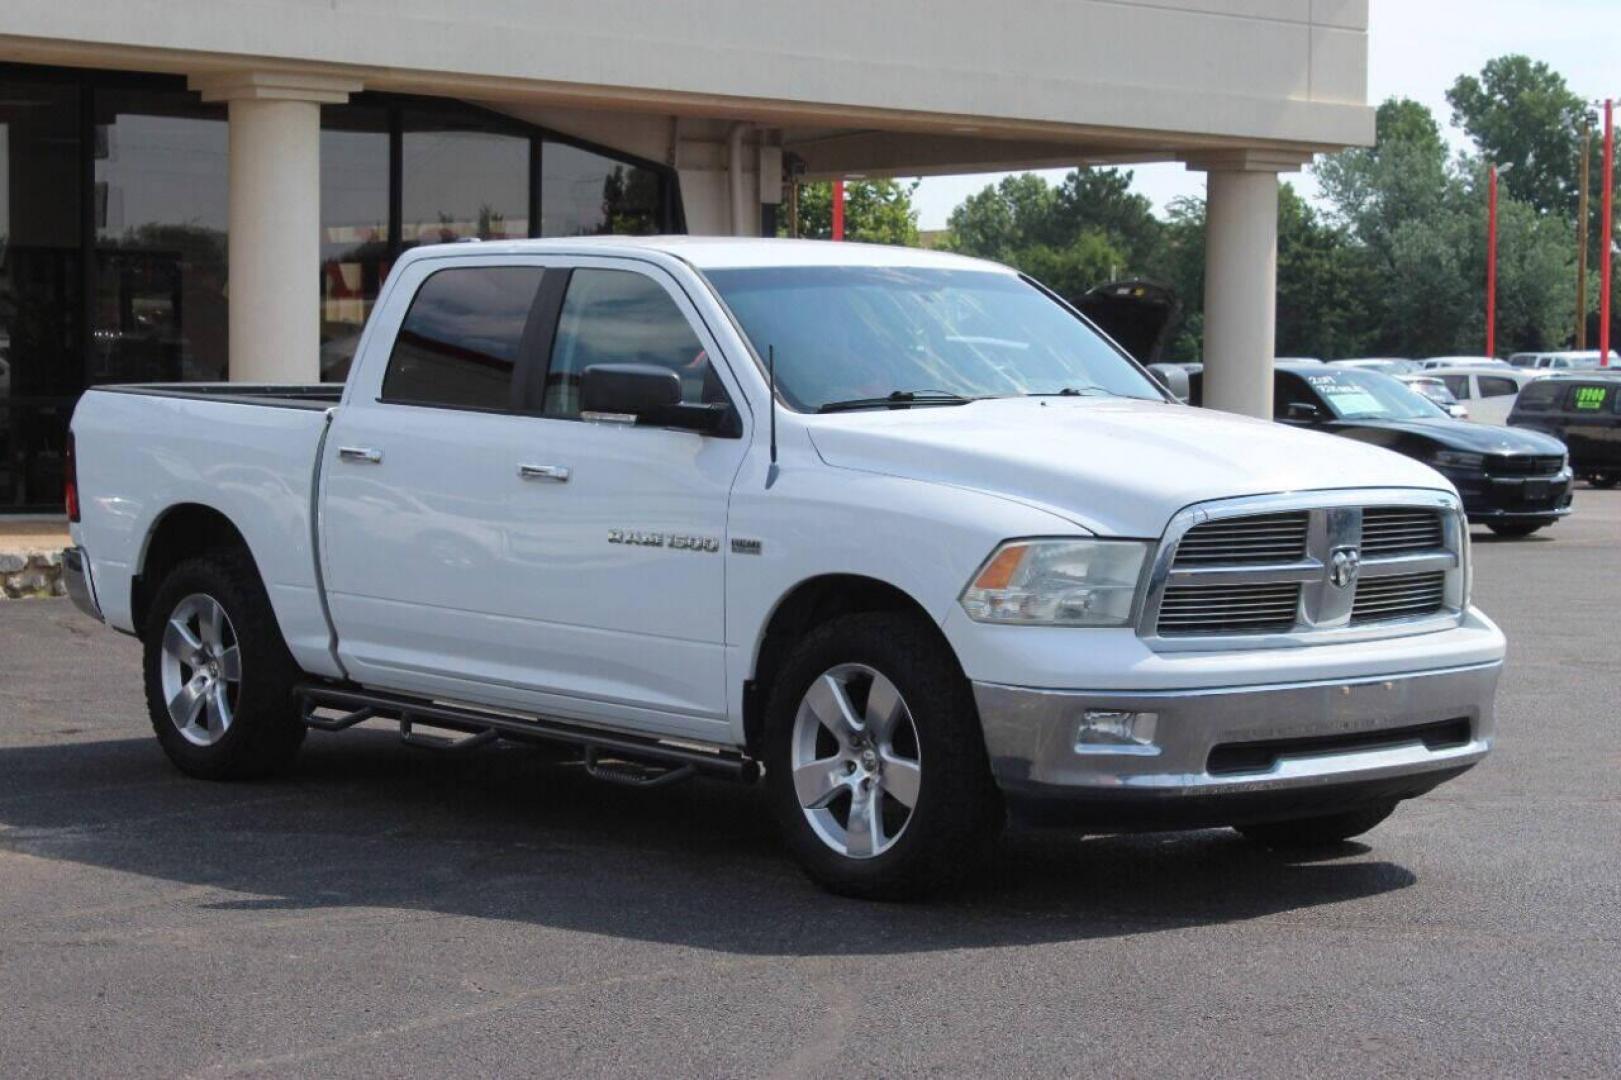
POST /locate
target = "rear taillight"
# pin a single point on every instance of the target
(70, 481)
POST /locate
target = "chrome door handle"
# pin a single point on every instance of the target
(558, 474)
(363, 454)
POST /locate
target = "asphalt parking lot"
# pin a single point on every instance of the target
(385, 911)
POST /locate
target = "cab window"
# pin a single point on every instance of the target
(461, 338)
(1497, 386)
(1537, 396)
(1290, 389)
(623, 317)
(1459, 385)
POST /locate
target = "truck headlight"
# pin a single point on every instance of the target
(1057, 583)
(1457, 459)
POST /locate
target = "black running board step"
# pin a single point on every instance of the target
(361, 705)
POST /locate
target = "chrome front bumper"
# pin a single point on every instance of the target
(1222, 756)
(77, 580)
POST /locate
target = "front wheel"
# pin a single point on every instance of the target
(1605, 482)
(219, 678)
(1316, 832)
(1515, 528)
(875, 763)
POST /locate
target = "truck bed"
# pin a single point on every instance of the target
(249, 452)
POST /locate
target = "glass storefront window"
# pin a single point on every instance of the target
(114, 196)
(461, 179)
(354, 228)
(41, 287)
(586, 194)
(158, 313)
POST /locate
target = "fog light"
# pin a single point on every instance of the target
(1116, 731)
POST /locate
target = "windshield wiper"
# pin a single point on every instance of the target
(898, 399)
(1074, 391)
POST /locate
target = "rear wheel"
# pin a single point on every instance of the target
(875, 764)
(1515, 528)
(1314, 832)
(219, 678)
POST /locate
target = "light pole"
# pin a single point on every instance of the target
(1491, 257)
(1607, 212)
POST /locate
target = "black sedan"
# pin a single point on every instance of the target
(1511, 480)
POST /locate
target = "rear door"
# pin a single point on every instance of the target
(420, 477)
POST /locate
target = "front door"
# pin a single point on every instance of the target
(618, 531)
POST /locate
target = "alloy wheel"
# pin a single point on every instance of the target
(856, 760)
(201, 668)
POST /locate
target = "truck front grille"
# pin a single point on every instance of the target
(1306, 572)
(1394, 530)
(1403, 597)
(1229, 609)
(1264, 538)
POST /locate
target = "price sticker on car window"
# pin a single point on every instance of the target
(1591, 397)
(1346, 399)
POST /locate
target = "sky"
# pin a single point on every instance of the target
(1415, 49)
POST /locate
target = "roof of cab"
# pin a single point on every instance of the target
(722, 252)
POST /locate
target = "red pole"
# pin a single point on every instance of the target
(1604, 236)
(838, 210)
(1491, 262)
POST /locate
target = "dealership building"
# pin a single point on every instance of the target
(213, 189)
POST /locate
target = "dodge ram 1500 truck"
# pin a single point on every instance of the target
(897, 531)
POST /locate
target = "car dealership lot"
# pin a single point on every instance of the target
(385, 910)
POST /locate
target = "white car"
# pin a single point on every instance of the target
(896, 529)
(1436, 391)
(1430, 363)
(1488, 393)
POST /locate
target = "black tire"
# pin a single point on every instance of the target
(1515, 528)
(1603, 483)
(1316, 832)
(265, 730)
(958, 811)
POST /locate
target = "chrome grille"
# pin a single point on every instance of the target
(1229, 609)
(1393, 530)
(1263, 538)
(1405, 596)
(1333, 565)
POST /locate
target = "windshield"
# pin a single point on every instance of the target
(860, 334)
(1368, 395)
(1435, 390)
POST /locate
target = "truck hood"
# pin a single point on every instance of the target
(1115, 466)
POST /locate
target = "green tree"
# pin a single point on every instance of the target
(1520, 112)
(1015, 214)
(1325, 281)
(875, 212)
(1403, 176)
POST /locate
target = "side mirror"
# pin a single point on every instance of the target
(651, 395)
(628, 389)
(1303, 410)
(1172, 378)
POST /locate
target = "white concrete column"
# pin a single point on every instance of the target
(1241, 277)
(275, 219)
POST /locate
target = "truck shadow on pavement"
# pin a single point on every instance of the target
(363, 822)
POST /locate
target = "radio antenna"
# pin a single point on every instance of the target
(771, 377)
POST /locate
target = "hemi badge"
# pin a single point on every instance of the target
(745, 547)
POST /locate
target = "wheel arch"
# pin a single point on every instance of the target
(182, 531)
(807, 605)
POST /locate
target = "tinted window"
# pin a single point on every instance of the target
(1537, 396)
(1290, 389)
(1497, 386)
(1458, 384)
(845, 333)
(621, 317)
(461, 338)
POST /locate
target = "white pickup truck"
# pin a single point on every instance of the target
(899, 531)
